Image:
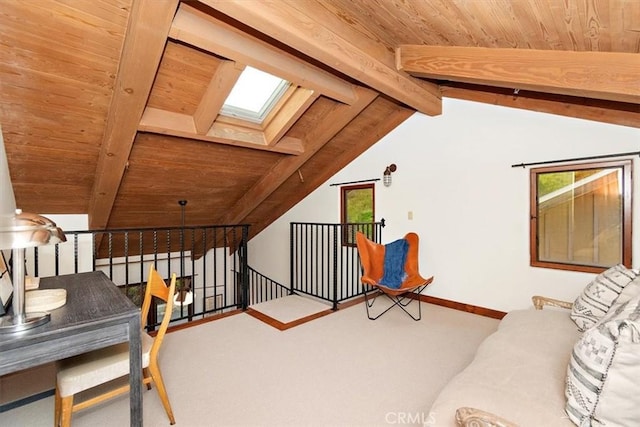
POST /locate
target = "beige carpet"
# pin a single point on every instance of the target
(291, 308)
(339, 370)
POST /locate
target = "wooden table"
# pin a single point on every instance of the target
(97, 314)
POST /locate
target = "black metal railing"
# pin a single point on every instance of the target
(262, 288)
(209, 261)
(324, 259)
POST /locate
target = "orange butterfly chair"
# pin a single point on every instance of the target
(372, 259)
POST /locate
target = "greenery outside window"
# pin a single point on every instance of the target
(581, 216)
(357, 209)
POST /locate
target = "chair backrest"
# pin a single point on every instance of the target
(372, 256)
(156, 287)
(411, 264)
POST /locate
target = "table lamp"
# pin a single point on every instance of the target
(18, 231)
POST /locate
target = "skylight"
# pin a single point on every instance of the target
(254, 95)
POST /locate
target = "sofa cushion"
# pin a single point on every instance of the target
(602, 376)
(598, 296)
(518, 372)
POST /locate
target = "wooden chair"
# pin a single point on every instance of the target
(372, 257)
(91, 369)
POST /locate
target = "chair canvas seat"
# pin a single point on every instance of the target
(91, 369)
(398, 291)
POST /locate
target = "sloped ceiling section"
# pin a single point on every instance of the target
(111, 107)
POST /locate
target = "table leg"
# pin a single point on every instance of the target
(135, 372)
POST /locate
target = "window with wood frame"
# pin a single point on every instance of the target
(581, 216)
(357, 211)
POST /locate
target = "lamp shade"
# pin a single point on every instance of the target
(27, 230)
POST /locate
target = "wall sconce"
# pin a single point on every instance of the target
(386, 176)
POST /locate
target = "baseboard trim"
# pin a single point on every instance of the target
(469, 308)
(284, 326)
(197, 322)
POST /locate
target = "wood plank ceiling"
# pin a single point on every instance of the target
(111, 107)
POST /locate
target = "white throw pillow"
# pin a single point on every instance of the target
(629, 291)
(599, 295)
(602, 385)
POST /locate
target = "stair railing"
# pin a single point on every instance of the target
(324, 260)
(210, 260)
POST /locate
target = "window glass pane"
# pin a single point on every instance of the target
(358, 210)
(580, 216)
(359, 205)
(253, 95)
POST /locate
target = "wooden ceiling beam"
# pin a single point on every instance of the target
(219, 87)
(624, 114)
(283, 22)
(181, 125)
(335, 121)
(602, 75)
(144, 44)
(205, 32)
(155, 120)
(288, 114)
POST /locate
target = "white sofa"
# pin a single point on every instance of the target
(518, 374)
(565, 365)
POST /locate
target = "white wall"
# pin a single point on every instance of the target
(470, 207)
(46, 253)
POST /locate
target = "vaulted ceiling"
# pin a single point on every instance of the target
(111, 107)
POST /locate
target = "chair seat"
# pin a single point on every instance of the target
(88, 370)
(409, 285)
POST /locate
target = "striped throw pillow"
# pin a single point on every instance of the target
(598, 296)
(602, 386)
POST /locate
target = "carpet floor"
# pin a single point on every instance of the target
(291, 308)
(339, 370)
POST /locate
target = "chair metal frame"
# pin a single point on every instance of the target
(65, 406)
(372, 262)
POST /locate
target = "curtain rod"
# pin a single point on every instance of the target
(355, 182)
(603, 156)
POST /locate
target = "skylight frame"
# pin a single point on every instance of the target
(259, 116)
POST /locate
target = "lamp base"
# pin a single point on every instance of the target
(12, 324)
